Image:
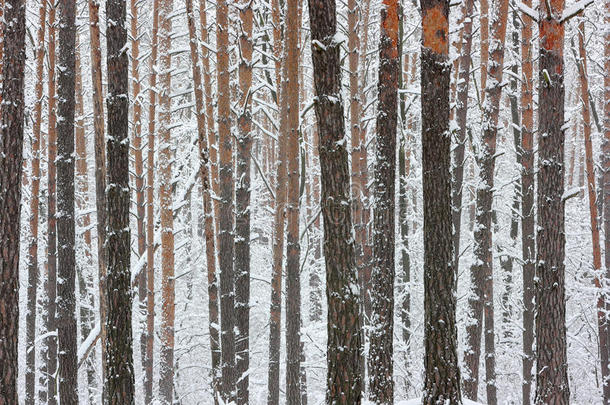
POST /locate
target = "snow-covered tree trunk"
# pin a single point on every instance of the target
(442, 379)
(11, 156)
(119, 383)
(381, 351)
(344, 347)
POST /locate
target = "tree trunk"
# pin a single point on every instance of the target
(166, 367)
(381, 351)
(49, 351)
(442, 377)
(461, 115)
(150, 209)
(602, 322)
(100, 164)
(606, 146)
(527, 204)
(66, 259)
(30, 373)
(211, 237)
(344, 350)
(242, 205)
(552, 367)
(293, 252)
(482, 269)
(11, 161)
(120, 387)
(139, 171)
(225, 214)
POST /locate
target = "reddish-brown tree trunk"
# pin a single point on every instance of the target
(442, 377)
(606, 144)
(11, 162)
(552, 386)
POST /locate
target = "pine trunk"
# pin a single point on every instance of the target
(119, 384)
(606, 144)
(344, 346)
(442, 379)
(11, 162)
(242, 206)
(66, 259)
(552, 385)
(381, 351)
(166, 367)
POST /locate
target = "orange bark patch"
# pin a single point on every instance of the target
(390, 24)
(435, 30)
(551, 34)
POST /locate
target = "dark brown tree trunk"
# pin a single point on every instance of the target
(49, 351)
(150, 225)
(381, 351)
(344, 350)
(66, 259)
(242, 206)
(293, 249)
(30, 372)
(527, 204)
(166, 157)
(552, 386)
(11, 164)
(442, 376)
(226, 236)
(119, 384)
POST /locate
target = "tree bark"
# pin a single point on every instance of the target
(166, 368)
(30, 373)
(120, 386)
(11, 161)
(344, 350)
(225, 214)
(100, 164)
(442, 377)
(150, 209)
(381, 351)
(606, 144)
(242, 205)
(293, 250)
(66, 263)
(552, 384)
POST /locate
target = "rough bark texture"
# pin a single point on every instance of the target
(226, 236)
(344, 376)
(381, 350)
(166, 368)
(242, 205)
(527, 204)
(30, 372)
(66, 259)
(606, 140)
(11, 155)
(482, 299)
(551, 365)
(461, 115)
(49, 351)
(150, 209)
(293, 256)
(442, 377)
(119, 384)
(100, 163)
